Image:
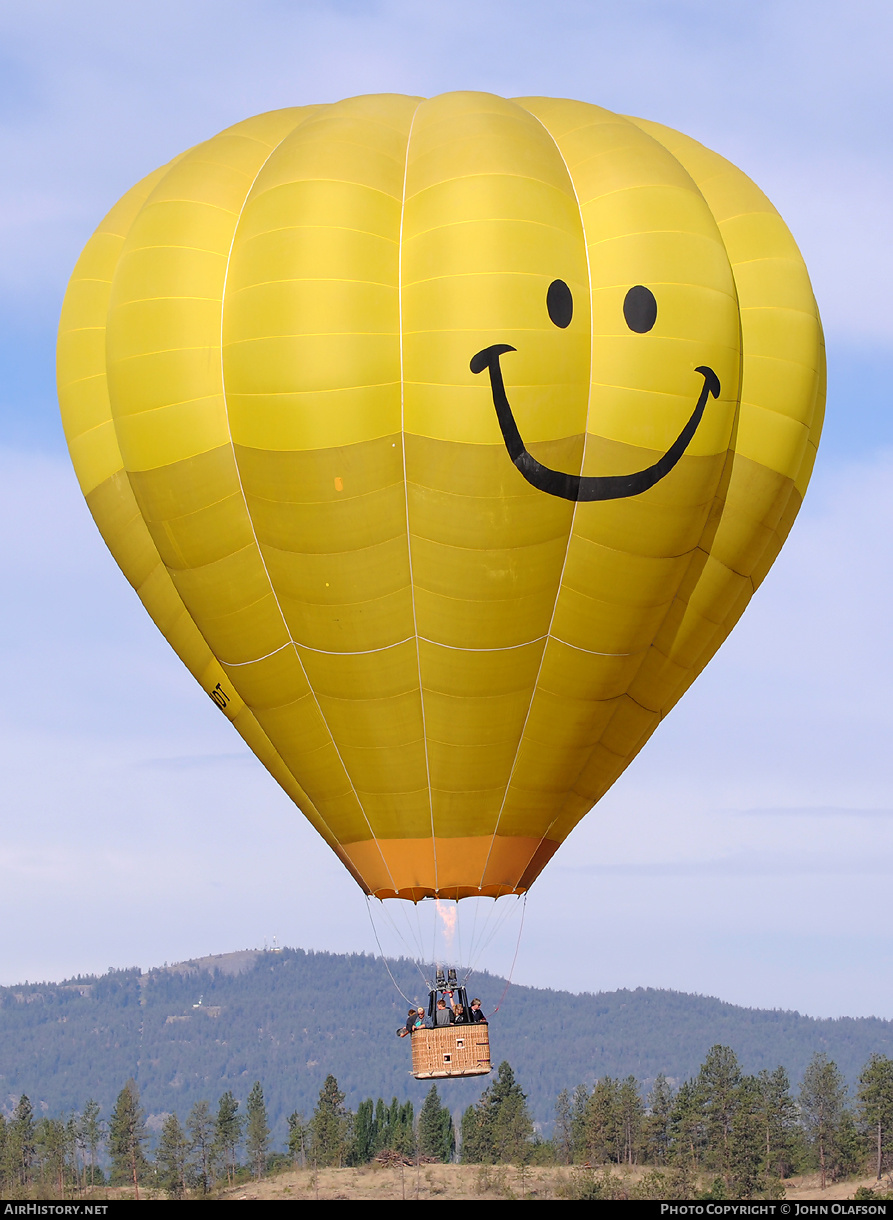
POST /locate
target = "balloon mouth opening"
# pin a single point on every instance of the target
(455, 893)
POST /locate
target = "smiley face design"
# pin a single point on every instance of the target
(446, 610)
(640, 313)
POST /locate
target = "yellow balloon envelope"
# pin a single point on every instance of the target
(445, 441)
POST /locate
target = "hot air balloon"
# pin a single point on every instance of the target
(445, 441)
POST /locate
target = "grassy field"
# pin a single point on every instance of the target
(478, 1182)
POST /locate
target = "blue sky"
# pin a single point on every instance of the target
(748, 852)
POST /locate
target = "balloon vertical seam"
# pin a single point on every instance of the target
(570, 534)
(415, 623)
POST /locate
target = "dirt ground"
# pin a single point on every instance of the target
(473, 1182)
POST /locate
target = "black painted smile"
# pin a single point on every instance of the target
(575, 486)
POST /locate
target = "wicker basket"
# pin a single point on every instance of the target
(451, 1050)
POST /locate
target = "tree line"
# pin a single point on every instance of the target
(67, 1157)
(176, 1030)
(742, 1134)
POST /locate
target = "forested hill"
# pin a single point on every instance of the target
(289, 1018)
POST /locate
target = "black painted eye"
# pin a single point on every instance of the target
(560, 303)
(640, 309)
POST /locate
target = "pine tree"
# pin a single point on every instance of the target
(170, 1159)
(849, 1148)
(20, 1144)
(876, 1107)
(498, 1129)
(127, 1135)
(91, 1135)
(380, 1127)
(599, 1122)
(200, 1129)
(436, 1137)
(298, 1134)
(403, 1128)
(51, 1155)
(656, 1126)
(745, 1170)
(822, 1105)
(228, 1130)
(579, 1102)
(563, 1139)
(472, 1148)
(329, 1126)
(778, 1118)
(72, 1146)
(630, 1116)
(257, 1140)
(686, 1128)
(386, 1136)
(363, 1133)
(717, 1087)
(513, 1129)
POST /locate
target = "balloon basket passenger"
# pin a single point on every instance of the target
(451, 1037)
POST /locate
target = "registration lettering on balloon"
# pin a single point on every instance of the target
(445, 440)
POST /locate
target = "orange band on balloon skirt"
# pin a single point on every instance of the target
(441, 868)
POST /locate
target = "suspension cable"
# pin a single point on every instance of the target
(493, 924)
(508, 981)
(385, 960)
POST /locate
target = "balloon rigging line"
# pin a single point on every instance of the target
(508, 981)
(495, 918)
(386, 915)
(493, 924)
(382, 956)
(474, 924)
(408, 929)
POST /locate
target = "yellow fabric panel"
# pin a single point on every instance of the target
(272, 681)
(470, 278)
(165, 306)
(311, 369)
(312, 293)
(123, 530)
(493, 574)
(476, 703)
(468, 674)
(325, 501)
(480, 720)
(463, 482)
(86, 414)
(372, 624)
(391, 721)
(579, 674)
(264, 368)
(782, 394)
(388, 671)
(80, 352)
